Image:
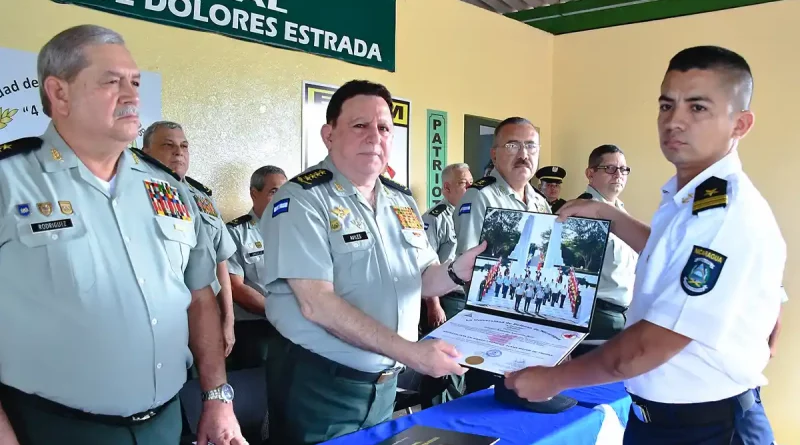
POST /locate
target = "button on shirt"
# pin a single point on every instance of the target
(248, 261)
(373, 257)
(93, 305)
(619, 264)
(730, 322)
(222, 246)
(472, 208)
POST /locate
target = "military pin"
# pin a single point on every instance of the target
(56, 155)
(258, 245)
(135, 158)
(338, 187)
(24, 209)
(45, 208)
(66, 207)
(335, 225)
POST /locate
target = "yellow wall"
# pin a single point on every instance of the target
(240, 102)
(606, 88)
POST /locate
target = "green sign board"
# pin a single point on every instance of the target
(356, 31)
(437, 154)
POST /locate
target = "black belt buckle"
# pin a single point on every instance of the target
(141, 417)
(641, 412)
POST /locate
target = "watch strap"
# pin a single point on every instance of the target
(453, 276)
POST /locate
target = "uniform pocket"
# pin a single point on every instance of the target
(179, 238)
(352, 256)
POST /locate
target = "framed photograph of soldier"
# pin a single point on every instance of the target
(533, 291)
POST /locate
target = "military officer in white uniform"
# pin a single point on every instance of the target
(607, 173)
(515, 156)
(707, 291)
(248, 269)
(348, 261)
(105, 269)
(166, 142)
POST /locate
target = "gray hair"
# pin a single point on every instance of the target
(448, 171)
(63, 57)
(257, 178)
(151, 130)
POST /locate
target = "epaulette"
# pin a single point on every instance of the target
(19, 146)
(710, 194)
(155, 162)
(196, 184)
(586, 195)
(483, 182)
(240, 220)
(395, 185)
(313, 178)
(436, 211)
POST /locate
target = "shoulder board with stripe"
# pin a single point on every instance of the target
(395, 185)
(710, 194)
(313, 178)
(436, 211)
(19, 146)
(240, 220)
(198, 185)
(155, 162)
(483, 182)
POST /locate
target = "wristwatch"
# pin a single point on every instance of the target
(453, 275)
(222, 392)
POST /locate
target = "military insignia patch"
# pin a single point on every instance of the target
(166, 200)
(427, 226)
(24, 209)
(19, 146)
(712, 193)
(483, 182)
(338, 187)
(279, 207)
(258, 245)
(408, 219)
(56, 155)
(206, 206)
(702, 271)
(335, 225)
(198, 185)
(394, 185)
(436, 211)
(240, 220)
(465, 208)
(313, 178)
(45, 208)
(66, 207)
(340, 212)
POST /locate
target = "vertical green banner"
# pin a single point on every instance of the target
(437, 154)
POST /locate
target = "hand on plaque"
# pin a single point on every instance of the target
(534, 384)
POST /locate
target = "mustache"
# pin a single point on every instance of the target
(522, 163)
(127, 110)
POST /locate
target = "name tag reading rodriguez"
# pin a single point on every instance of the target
(49, 226)
(353, 237)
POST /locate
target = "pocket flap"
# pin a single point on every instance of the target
(415, 237)
(178, 230)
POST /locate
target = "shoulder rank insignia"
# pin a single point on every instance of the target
(155, 162)
(313, 178)
(712, 193)
(436, 211)
(240, 220)
(483, 182)
(196, 184)
(395, 185)
(585, 195)
(19, 146)
(701, 271)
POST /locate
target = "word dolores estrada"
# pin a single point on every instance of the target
(250, 22)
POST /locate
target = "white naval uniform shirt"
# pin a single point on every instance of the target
(730, 321)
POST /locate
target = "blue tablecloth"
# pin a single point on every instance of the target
(480, 413)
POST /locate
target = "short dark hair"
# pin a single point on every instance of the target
(729, 63)
(350, 90)
(257, 178)
(596, 156)
(516, 120)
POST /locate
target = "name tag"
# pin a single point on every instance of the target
(255, 254)
(352, 237)
(51, 225)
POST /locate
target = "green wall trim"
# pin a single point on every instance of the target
(584, 15)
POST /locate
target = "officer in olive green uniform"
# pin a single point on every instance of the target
(96, 282)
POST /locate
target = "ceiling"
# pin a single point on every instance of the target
(566, 16)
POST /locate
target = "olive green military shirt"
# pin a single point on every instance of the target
(438, 223)
(95, 283)
(248, 262)
(490, 191)
(319, 227)
(222, 246)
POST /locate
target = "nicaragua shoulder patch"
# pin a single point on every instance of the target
(465, 208)
(702, 271)
(710, 194)
(239, 221)
(395, 185)
(483, 182)
(279, 207)
(155, 162)
(199, 186)
(312, 178)
(436, 211)
(19, 146)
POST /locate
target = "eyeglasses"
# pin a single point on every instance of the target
(514, 147)
(612, 169)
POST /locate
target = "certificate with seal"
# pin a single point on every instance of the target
(532, 294)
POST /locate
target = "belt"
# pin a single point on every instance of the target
(13, 394)
(339, 370)
(603, 304)
(691, 414)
